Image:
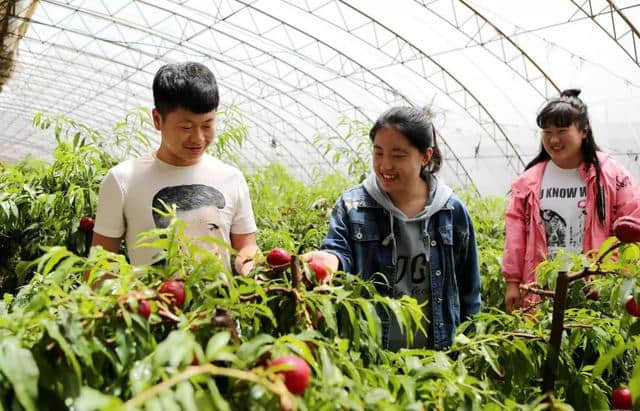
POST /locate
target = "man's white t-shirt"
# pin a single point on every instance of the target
(211, 196)
(563, 197)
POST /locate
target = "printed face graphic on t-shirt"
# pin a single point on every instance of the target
(202, 222)
(555, 227)
(198, 205)
(562, 210)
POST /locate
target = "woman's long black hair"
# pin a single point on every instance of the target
(563, 111)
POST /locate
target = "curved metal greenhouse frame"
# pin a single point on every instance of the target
(296, 69)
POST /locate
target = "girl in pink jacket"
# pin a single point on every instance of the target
(568, 203)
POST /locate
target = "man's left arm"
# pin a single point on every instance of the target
(247, 248)
(244, 222)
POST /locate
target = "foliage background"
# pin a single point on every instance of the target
(65, 344)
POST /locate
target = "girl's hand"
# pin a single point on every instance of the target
(512, 298)
(324, 258)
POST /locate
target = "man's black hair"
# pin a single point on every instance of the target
(188, 85)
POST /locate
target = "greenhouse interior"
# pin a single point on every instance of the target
(319, 205)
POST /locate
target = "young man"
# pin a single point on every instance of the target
(211, 196)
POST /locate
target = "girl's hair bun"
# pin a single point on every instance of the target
(572, 92)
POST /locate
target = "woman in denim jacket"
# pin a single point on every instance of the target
(406, 224)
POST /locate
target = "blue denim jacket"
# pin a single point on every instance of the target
(357, 227)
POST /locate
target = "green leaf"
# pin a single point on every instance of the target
(378, 395)
(625, 290)
(605, 360)
(330, 373)
(216, 343)
(217, 399)
(634, 384)
(299, 347)
(37, 117)
(461, 339)
(490, 357)
(169, 402)
(605, 246)
(329, 314)
(141, 376)
(634, 329)
(54, 332)
(153, 404)
(176, 349)
(251, 350)
(51, 258)
(597, 399)
(37, 303)
(123, 349)
(185, 395)
(93, 400)
(76, 139)
(396, 308)
(629, 253)
(18, 365)
(373, 321)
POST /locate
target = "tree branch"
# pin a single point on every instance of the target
(272, 290)
(539, 291)
(277, 387)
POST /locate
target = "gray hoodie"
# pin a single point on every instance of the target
(409, 240)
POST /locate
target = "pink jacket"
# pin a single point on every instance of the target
(526, 241)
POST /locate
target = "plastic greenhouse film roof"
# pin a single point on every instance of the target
(298, 69)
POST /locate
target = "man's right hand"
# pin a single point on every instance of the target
(512, 298)
(108, 243)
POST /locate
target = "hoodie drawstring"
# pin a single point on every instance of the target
(391, 238)
(426, 238)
